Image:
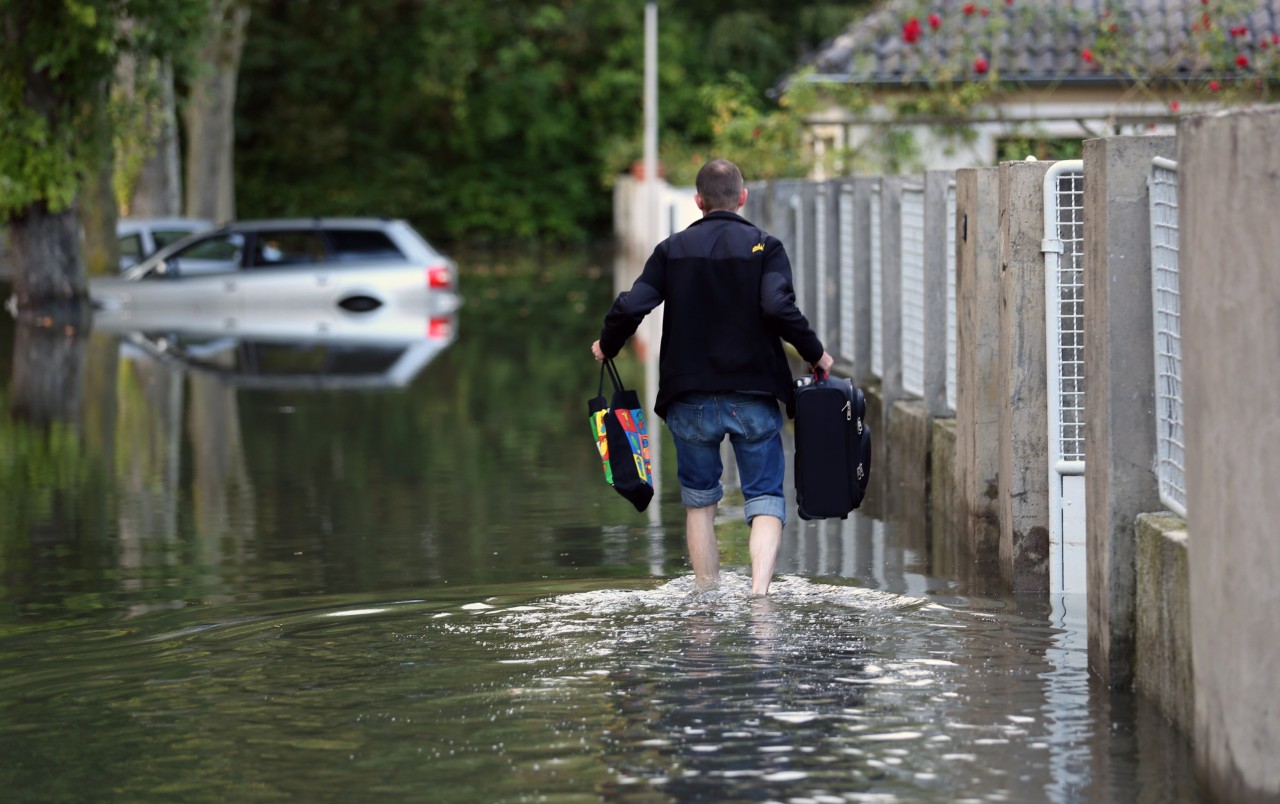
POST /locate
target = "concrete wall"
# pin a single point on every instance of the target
(1024, 425)
(1229, 204)
(1120, 393)
(1162, 624)
(978, 397)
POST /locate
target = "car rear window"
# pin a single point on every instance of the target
(362, 244)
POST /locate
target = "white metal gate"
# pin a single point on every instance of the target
(1063, 248)
(1166, 302)
(911, 233)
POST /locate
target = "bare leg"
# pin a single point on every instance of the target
(704, 553)
(766, 537)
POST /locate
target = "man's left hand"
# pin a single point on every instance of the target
(597, 352)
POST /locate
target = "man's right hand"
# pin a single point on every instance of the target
(825, 363)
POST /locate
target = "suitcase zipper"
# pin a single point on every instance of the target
(848, 411)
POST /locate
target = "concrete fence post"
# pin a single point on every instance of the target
(1228, 194)
(978, 397)
(1024, 417)
(861, 227)
(1120, 390)
(936, 183)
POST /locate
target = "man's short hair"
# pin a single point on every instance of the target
(719, 183)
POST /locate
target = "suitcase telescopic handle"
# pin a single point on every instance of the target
(819, 374)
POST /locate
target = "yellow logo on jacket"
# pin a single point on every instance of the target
(757, 247)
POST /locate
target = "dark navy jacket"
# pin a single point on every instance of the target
(729, 305)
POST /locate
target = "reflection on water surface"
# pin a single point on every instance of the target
(213, 592)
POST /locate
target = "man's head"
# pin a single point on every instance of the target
(720, 187)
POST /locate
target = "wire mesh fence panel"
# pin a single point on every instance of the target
(1063, 248)
(912, 271)
(1069, 305)
(951, 296)
(846, 275)
(1166, 301)
(877, 296)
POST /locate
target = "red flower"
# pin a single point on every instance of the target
(1205, 2)
(1264, 44)
(755, 133)
(911, 30)
(935, 22)
(1206, 21)
(968, 9)
(1275, 39)
(980, 65)
(1173, 106)
(984, 11)
(1008, 2)
(1087, 55)
(1242, 61)
(1214, 86)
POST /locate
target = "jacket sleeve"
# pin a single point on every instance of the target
(630, 308)
(778, 304)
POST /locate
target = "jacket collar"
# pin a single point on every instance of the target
(719, 214)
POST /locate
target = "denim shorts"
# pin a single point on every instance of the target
(700, 421)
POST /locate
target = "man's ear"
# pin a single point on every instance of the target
(697, 199)
(742, 199)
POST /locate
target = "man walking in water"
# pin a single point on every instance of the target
(722, 370)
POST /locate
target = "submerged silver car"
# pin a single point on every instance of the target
(336, 266)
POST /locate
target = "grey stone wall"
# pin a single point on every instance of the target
(1229, 197)
(1120, 392)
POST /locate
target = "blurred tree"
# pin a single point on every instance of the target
(209, 113)
(492, 119)
(56, 63)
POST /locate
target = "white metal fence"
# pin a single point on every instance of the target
(1166, 303)
(911, 230)
(877, 294)
(846, 213)
(1064, 322)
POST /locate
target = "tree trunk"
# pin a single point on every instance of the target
(98, 214)
(48, 372)
(152, 179)
(209, 116)
(46, 257)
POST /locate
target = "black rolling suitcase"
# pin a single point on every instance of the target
(833, 447)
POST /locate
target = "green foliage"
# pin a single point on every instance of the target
(501, 120)
(56, 62)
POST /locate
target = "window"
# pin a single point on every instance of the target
(164, 237)
(220, 248)
(299, 247)
(131, 248)
(362, 244)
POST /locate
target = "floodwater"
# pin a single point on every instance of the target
(217, 587)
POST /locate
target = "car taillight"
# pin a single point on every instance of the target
(439, 276)
(439, 328)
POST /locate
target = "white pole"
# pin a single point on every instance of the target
(651, 195)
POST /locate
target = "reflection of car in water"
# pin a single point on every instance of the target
(139, 238)
(291, 352)
(351, 266)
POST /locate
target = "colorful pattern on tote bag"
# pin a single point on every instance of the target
(622, 440)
